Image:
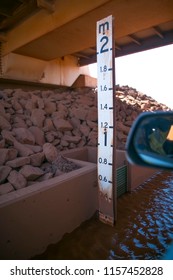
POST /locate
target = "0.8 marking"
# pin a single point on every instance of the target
(103, 160)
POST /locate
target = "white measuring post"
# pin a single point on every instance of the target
(106, 120)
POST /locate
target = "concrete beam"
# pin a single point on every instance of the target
(42, 22)
(71, 27)
(81, 33)
(149, 43)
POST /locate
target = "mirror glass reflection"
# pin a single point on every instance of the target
(153, 140)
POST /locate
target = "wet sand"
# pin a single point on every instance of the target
(144, 228)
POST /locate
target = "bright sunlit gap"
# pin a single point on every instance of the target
(150, 72)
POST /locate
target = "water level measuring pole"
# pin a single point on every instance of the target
(106, 166)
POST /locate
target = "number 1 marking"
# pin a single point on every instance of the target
(105, 134)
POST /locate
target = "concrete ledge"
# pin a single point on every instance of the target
(39, 215)
(88, 154)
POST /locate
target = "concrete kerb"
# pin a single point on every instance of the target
(39, 215)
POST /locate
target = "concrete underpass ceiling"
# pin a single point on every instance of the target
(51, 29)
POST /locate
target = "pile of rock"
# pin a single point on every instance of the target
(129, 104)
(36, 125)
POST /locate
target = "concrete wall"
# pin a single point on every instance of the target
(137, 175)
(63, 71)
(39, 215)
(36, 216)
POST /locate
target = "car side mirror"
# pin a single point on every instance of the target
(150, 140)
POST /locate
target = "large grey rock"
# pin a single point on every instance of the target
(38, 135)
(72, 139)
(17, 180)
(48, 125)
(62, 125)
(30, 172)
(34, 148)
(24, 136)
(38, 117)
(22, 149)
(18, 162)
(50, 152)
(37, 159)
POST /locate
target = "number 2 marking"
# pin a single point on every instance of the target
(106, 40)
